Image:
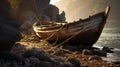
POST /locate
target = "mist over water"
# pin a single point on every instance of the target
(110, 37)
(76, 9)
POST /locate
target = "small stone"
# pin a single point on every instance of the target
(27, 62)
(31, 61)
(87, 52)
(102, 53)
(58, 64)
(44, 64)
(94, 58)
(107, 49)
(56, 59)
(99, 52)
(74, 61)
(29, 53)
(41, 55)
(34, 60)
(67, 64)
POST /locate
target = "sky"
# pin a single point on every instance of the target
(53, 1)
(76, 9)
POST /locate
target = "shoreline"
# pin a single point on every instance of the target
(111, 57)
(65, 54)
(34, 52)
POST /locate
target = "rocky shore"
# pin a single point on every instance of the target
(31, 52)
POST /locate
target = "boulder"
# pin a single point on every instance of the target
(8, 36)
(9, 33)
(74, 61)
(107, 49)
(38, 54)
(87, 52)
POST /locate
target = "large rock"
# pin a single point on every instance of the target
(52, 12)
(25, 7)
(74, 61)
(107, 49)
(28, 11)
(9, 33)
(8, 36)
(38, 54)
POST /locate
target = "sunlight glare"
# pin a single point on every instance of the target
(53, 1)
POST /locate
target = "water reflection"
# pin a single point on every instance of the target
(110, 37)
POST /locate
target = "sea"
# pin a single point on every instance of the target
(110, 37)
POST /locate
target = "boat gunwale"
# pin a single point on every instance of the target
(56, 26)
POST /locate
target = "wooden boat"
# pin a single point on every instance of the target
(85, 32)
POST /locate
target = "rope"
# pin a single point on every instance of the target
(83, 29)
(64, 42)
(54, 34)
(58, 36)
(71, 37)
(37, 14)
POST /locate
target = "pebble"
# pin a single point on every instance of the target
(99, 52)
(33, 60)
(107, 49)
(87, 52)
(95, 57)
(95, 51)
(67, 64)
(44, 64)
(74, 61)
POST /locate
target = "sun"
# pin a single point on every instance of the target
(53, 1)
